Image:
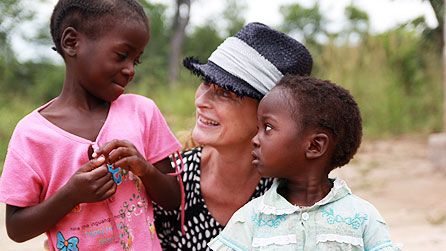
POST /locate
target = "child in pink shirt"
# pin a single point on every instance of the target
(48, 182)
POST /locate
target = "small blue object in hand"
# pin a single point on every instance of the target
(116, 173)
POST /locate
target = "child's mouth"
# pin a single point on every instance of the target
(255, 159)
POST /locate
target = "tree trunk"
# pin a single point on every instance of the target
(181, 20)
(438, 7)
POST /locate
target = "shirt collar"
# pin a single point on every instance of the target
(273, 203)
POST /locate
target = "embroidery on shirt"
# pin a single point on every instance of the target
(125, 236)
(134, 207)
(67, 245)
(273, 222)
(355, 222)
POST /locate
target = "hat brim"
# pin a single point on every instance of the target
(212, 73)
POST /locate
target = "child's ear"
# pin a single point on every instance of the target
(317, 145)
(70, 41)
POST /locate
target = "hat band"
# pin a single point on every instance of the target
(244, 62)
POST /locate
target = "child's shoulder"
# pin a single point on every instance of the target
(134, 99)
(135, 103)
(355, 204)
(29, 122)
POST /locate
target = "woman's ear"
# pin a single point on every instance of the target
(70, 41)
(317, 145)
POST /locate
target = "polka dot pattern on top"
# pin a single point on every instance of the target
(200, 226)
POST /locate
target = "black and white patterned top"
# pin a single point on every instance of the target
(200, 226)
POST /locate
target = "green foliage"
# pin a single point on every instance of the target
(307, 22)
(12, 109)
(195, 45)
(233, 16)
(154, 60)
(397, 85)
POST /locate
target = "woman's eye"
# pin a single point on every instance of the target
(223, 93)
(226, 94)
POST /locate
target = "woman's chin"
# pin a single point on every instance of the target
(200, 137)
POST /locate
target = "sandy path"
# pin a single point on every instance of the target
(395, 175)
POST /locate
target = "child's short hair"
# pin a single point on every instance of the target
(87, 16)
(321, 104)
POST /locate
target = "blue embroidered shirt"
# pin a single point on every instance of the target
(340, 221)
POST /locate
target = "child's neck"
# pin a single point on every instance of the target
(79, 100)
(77, 113)
(305, 192)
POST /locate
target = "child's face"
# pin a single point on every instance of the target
(105, 65)
(279, 143)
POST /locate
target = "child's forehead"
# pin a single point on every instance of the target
(277, 96)
(277, 101)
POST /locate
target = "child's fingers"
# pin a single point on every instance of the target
(120, 153)
(127, 162)
(110, 191)
(107, 186)
(108, 147)
(103, 177)
(92, 164)
(98, 173)
(136, 165)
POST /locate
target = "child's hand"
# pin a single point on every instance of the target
(123, 154)
(92, 182)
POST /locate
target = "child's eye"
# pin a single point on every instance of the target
(122, 56)
(268, 127)
(137, 61)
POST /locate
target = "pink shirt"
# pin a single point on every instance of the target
(42, 157)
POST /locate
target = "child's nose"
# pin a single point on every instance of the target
(255, 141)
(129, 71)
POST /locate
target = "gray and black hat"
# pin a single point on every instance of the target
(253, 61)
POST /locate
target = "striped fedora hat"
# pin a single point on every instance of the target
(253, 61)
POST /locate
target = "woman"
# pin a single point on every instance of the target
(219, 177)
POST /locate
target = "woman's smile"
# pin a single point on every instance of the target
(203, 121)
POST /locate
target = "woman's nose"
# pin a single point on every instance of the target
(203, 96)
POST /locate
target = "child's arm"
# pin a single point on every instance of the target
(376, 235)
(161, 188)
(91, 183)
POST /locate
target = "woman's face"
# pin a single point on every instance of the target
(223, 118)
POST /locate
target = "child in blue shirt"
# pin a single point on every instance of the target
(307, 128)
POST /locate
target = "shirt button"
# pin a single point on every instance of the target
(305, 216)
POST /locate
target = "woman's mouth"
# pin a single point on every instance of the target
(207, 122)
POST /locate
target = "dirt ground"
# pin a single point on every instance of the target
(395, 175)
